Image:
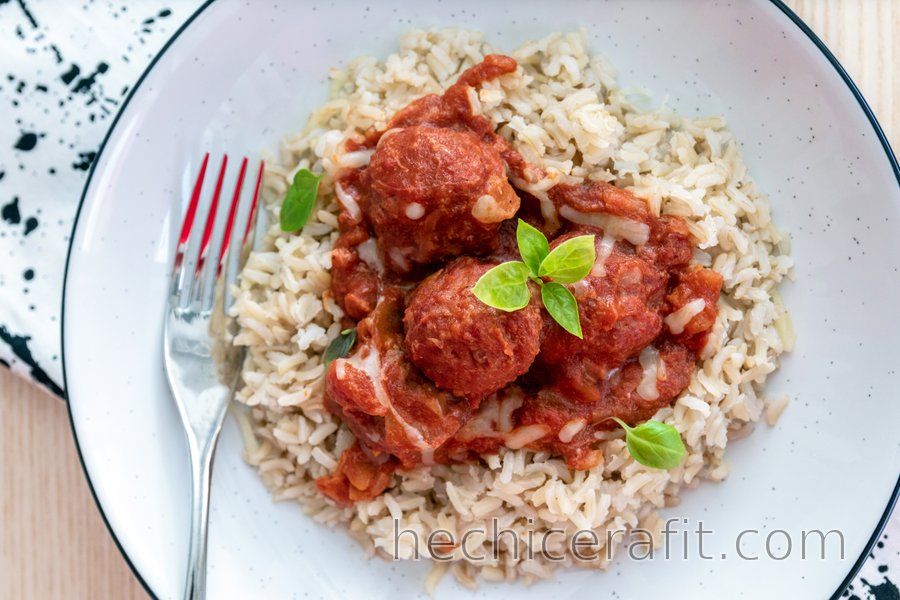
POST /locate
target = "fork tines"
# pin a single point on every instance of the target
(198, 291)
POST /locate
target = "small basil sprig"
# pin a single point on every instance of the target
(299, 200)
(339, 347)
(505, 287)
(561, 305)
(653, 444)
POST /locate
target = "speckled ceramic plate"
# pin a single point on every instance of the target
(241, 74)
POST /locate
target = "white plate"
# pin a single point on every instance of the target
(238, 76)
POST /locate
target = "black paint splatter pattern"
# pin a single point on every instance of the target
(64, 71)
(60, 84)
(876, 579)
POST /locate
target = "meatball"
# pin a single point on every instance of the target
(618, 302)
(435, 193)
(462, 344)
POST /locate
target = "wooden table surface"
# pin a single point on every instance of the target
(53, 541)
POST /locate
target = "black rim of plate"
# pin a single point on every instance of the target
(777, 3)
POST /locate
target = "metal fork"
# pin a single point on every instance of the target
(201, 365)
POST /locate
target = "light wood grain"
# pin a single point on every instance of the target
(53, 541)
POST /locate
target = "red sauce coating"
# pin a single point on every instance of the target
(696, 283)
(359, 476)
(353, 281)
(596, 197)
(439, 377)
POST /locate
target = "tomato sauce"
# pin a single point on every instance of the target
(439, 377)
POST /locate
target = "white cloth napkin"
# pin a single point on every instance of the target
(65, 68)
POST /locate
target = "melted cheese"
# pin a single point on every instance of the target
(355, 160)
(538, 189)
(486, 210)
(399, 258)
(508, 406)
(679, 319)
(606, 247)
(371, 366)
(388, 133)
(634, 231)
(650, 362)
(414, 211)
(348, 202)
(369, 254)
(522, 436)
(580, 288)
(474, 102)
(493, 419)
(571, 429)
(482, 425)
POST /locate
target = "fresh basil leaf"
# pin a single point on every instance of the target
(570, 261)
(504, 287)
(654, 444)
(533, 246)
(299, 200)
(339, 347)
(562, 306)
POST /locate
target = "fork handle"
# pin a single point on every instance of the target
(201, 476)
